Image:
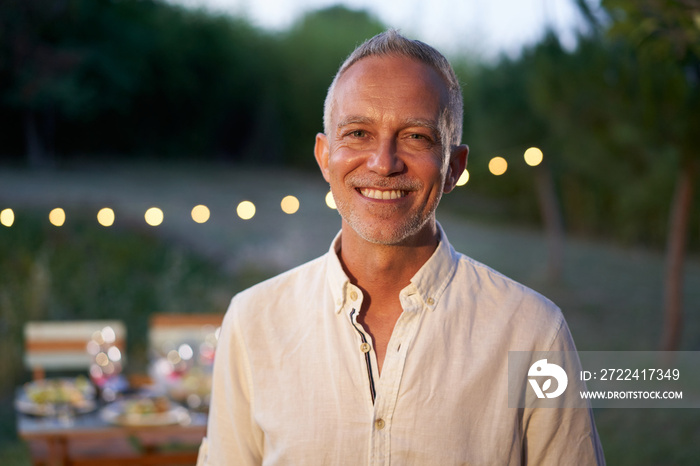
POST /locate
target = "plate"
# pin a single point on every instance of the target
(138, 412)
(51, 397)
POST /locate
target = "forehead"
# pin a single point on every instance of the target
(391, 83)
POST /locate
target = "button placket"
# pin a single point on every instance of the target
(392, 373)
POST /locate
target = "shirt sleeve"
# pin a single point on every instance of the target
(561, 436)
(232, 434)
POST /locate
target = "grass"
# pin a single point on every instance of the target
(611, 296)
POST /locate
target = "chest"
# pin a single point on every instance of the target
(431, 404)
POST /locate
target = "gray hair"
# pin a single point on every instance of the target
(390, 43)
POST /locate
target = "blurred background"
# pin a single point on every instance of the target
(582, 117)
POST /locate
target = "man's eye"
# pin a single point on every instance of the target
(358, 133)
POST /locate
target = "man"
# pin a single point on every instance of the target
(392, 348)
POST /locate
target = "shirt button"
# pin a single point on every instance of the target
(379, 424)
(364, 347)
(430, 301)
(353, 295)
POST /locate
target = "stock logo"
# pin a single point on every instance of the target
(541, 369)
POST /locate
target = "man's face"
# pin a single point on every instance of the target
(383, 158)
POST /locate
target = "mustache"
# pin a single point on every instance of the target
(399, 182)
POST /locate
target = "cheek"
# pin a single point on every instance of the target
(343, 161)
(433, 169)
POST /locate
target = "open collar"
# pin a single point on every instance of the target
(429, 282)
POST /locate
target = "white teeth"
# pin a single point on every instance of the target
(379, 194)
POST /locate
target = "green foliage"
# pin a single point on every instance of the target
(310, 54)
(132, 76)
(615, 121)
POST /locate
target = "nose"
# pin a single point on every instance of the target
(385, 160)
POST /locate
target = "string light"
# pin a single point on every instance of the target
(463, 179)
(498, 166)
(7, 217)
(57, 217)
(200, 213)
(330, 201)
(533, 156)
(154, 216)
(105, 217)
(290, 205)
(246, 210)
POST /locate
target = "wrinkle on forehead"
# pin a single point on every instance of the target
(368, 80)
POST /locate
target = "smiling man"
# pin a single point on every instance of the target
(392, 348)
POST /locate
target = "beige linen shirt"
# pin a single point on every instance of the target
(296, 380)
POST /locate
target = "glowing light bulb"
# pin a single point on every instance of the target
(330, 201)
(105, 217)
(533, 156)
(289, 204)
(498, 166)
(57, 217)
(246, 210)
(463, 179)
(200, 214)
(154, 216)
(7, 217)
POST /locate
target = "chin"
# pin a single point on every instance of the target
(392, 235)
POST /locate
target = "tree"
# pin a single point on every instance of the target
(503, 118)
(310, 54)
(666, 36)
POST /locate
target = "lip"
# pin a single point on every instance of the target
(382, 194)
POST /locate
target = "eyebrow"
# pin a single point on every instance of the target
(409, 122)
(354, 120)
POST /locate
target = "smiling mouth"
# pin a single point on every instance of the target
(383, 194)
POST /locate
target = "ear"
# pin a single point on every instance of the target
(321, 152)
(457, 164)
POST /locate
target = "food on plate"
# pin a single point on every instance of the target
(144, 411)
(62, 390)
(147, 405)
(41, 397)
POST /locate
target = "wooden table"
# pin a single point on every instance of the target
(87, 440)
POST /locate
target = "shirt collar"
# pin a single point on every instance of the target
(429, 282)
(432, 279)
(337, 279)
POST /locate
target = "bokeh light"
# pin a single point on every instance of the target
(57, 217)
(246, 210)
(114, 354)
(154, 216)
(330, 202)
(105, 217)
(498, 166)
(463, 179)
(200, 213)
(108, 335)
(174, 357)
(102, 359)
(186, 352)
(289, 204)
(533, 156)
(7, 217)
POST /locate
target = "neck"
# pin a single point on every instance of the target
(385, 269)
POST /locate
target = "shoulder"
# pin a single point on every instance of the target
(525, 314)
